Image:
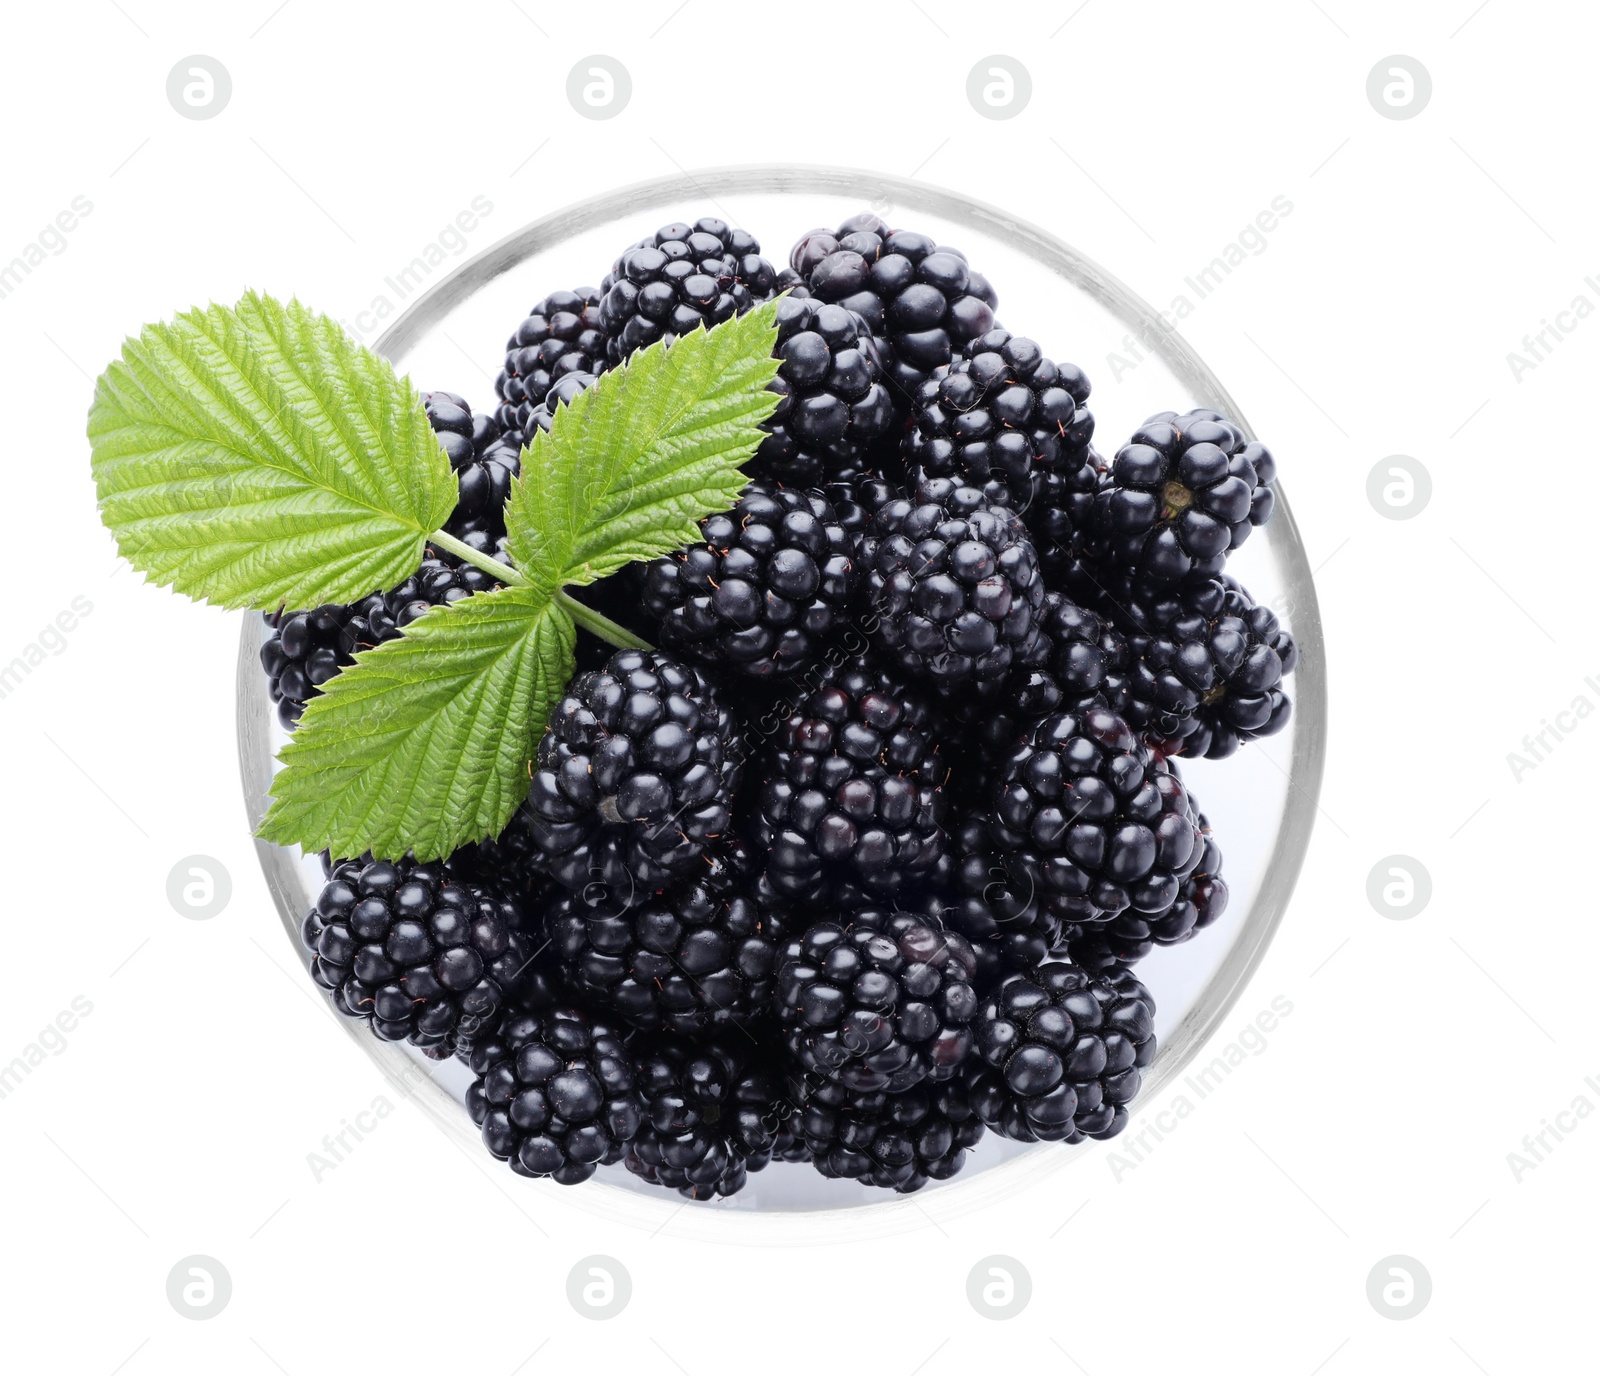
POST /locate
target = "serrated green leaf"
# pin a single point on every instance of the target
(629, 466)
(423, 743)
(257, 456)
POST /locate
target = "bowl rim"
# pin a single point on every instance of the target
(1309, 727)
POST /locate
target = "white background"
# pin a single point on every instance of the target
(178, 1116)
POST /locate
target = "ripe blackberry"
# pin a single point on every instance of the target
(306, 649)
(635, 774)
(696, 957)
(1129, 937)
(1182, 493)
(773, 578)
(561, 335)
(954, 587)
(1059, 1053)
(894, 1141)
(832, 402)
(919, 296)
(1203, 667)
(852, 792)
(561, 392)
(681, 277)
(556, 1094)
(1009, 928)
(1089, 821)
(418, 953)
(1002, 418)
(879, 1001)
(485, 455)
(712, 1114)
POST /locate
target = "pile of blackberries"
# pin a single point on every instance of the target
(856, 865)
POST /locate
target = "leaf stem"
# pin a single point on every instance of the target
(504, 572)
(602, 626)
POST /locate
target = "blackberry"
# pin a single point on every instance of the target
(712, 1114)
(853, 787)
(1182, 493)
(561, 392)
(696, 957)
(880, 1001)
(1009, 929)
(485, 455)
(1059, 1053)
(635, 774)
(773, 578)
(894, 1141)
(1203, 667)
(920, 297)
(1130, 936)
(681, 277)
(418, 953)
(561, 335)
(556, 1094)
(1090, 822)
(832, 402)
(306, 649)
(954, 587)
(1002, 418)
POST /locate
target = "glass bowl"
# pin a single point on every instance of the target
(1261, 802)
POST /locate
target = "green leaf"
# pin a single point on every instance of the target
(629, 466)
(423, 743)
(257, 456)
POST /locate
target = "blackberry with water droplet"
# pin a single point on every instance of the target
(1059, 1053)
(1089, 821)
(770, 581)
(415, 951)
(561, 335)
(852, 792)
(556, 1094)
(635, 775)
(679, 279)
(878, 1001)
(921, 297)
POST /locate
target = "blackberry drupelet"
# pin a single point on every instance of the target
(1247, 701)
(832, 401)
(774, 577)
(306, 649)
(1059, 1051)
(920, 297)
(635, 775)
(1002, 418)
(852, 792)
(1009, 929)
(713, 1113)
(1090, 822)
(894, 1141)
(418, 953)
(561, 335)
(954, 588)
(561, 392)
(556, 1094)
(485, 455)
(878, 1002)
(1130, 936)
(1182, 493)
(682, 277)
(698, 956)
